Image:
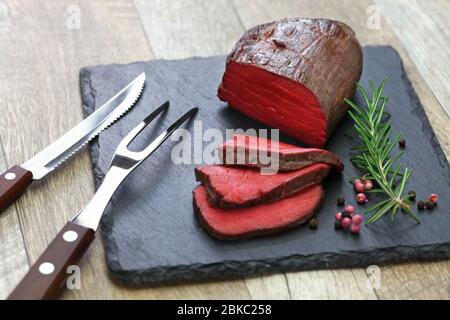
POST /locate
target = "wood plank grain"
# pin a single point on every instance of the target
(331, 284)
(269, 287)
(415, 280)
(35, 61)
(356, 14)
(201, 28)
(426, 42)
(181, 29)
(13, 255)
(41, 67)
(234, 289)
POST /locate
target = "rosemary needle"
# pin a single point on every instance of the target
(374, 157)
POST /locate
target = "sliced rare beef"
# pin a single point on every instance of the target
(256, 152)
(230, 187)
(293, 75)
(270, 218)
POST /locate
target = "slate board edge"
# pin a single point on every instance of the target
(229, 269)
(234, 269)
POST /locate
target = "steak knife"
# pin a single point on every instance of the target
(16, 179)
(47, 275)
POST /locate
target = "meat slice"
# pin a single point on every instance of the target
(293, 75)
(270, 218)
(255, 152)
(230, 187)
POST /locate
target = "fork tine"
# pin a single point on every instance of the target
(136, 130)
(158, 110)
(142, 155)
(182, 119)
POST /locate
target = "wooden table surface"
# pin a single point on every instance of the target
(44, 43)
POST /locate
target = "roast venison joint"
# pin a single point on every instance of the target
(293, 75)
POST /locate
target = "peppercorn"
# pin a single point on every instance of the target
(402, 142)
(429, 205)
(361, 198)
(349, 209)
(420, 204)
(368, 185)
(313, 223)
(355, 229)
(433, 198)
(337, 225)
(346, 215)
(340, 201)
(411, 195)
(358, 185)
(346, 223)
(357, 219)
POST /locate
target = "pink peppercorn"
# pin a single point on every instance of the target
(338, 216)
(361, 198)
(358, 185)
(357, 219)
(433, 198)
(349, 209)
(355, 228)
(346, 222)
(368, 185)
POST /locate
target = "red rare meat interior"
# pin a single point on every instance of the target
(276, 101)
(273, 217)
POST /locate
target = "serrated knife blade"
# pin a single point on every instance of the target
(16, 179)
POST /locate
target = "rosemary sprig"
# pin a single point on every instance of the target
(373, 127)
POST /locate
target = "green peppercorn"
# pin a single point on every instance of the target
(340, 201)
(313, 223)
(411, 195)
(420, 204)
(337, 225)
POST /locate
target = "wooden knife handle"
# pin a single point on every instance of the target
(13, 183)
(47, 276)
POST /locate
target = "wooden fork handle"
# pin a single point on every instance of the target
(13, 183)
(47, 276)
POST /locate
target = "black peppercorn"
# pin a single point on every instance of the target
(346, 215)
(337, 225)
(402, 143)
(411, 195)
(429, 205)
(340, 201)
(313, 223)
(420, 204)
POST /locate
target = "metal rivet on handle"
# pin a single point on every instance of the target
(10, 176)
(70, 236)
(46, 268)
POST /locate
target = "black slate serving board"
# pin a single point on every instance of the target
(151, 234)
